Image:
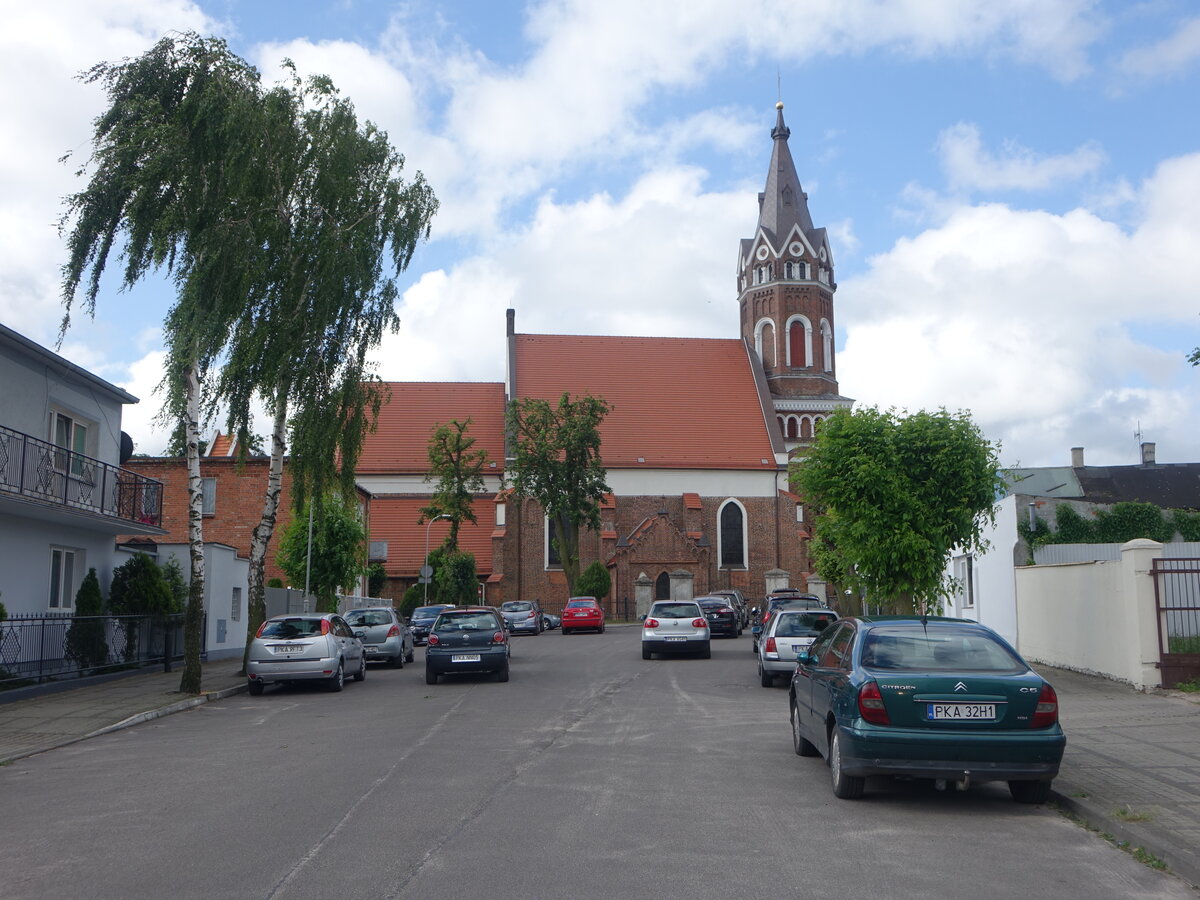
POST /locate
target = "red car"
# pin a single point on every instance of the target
(581, 613)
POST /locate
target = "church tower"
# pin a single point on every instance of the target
(785, 290)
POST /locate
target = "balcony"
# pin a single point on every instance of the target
(55, 479)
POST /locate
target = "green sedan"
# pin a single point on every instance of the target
(945, 699)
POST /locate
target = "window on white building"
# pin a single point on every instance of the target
(235, 607)
(70, 434)
(964, 576)
(62, 578)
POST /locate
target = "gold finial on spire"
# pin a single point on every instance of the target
(779, 105)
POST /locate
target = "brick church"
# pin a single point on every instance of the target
(696, 445)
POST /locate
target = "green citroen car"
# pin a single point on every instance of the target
(945, 699)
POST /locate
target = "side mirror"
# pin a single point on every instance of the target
(641, 618)
(803, 657)
(754, 610)
(361, 635)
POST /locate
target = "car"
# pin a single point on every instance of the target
(788, 632)
(422, 619)
(722, 615)
(384, 634)
(304, 647)
(467, 639)
(676, 626)
(925, 697)
(583, 613)
(739, 603)
(522, 616)
(778, 599)
(549, 621)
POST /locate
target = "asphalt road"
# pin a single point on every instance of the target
(591, 774)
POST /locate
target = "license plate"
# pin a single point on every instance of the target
(676, 639)
(975, 711)
(465, 657)
(371, 650)
(288, 648)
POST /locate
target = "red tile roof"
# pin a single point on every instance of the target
(408, 416)
(692, 501)
(680, 403)
(222, 445)
(394, 519)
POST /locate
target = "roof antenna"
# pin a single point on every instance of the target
(778, 85)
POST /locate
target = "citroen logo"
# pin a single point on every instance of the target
(960, 687)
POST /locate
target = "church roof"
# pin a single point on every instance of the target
(783, 204)
(408, 416)
(680, 403)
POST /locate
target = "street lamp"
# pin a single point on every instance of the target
(425, 568)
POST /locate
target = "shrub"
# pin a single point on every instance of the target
(1187, 524)
(594, 581)
(376, 578)
(413, 597)
(1129, 521)
(1072, 527)
(274, 582)
(173, 575)
(87, 640)
(456, 579)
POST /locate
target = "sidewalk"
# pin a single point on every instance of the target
(1132, 766)
(45, 721)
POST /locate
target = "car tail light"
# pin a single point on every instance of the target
(870, 704)
(769, 647)
(324, 626)
(433, 640)
(699, 623)
(651, 623)
(1046, 713)
(394, 631)
(261, 629)
(724, 610)
(498, 637)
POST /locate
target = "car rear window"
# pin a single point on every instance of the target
(467, 621)
(577, 603)
(427, 612)
(358, 618)
(937, 650)
(291, 628)
(675, 610)
(798, 624)
(517, 606)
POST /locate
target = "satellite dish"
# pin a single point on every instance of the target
(126, 447)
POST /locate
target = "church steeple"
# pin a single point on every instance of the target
(785, 290)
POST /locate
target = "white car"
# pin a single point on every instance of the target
(788, 632)
(674, 626)
(317, 647)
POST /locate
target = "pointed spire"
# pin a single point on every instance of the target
(783, 203)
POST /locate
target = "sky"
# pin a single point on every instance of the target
(1012, 190)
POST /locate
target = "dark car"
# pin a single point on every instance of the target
(739, 603)
(422, 619)
(467, 639)
(722, 616)
(946, 699)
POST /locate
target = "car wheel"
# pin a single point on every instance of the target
(566, 631)
(361, 674)
(765, 677)
(706, 651)
(754, 646)
(338, 681)
(430, 675)
(845, 787)
(256, 688)
(1030, 791)
(646, 652)
(397, 661)
(802, 745)
(602, 629)
(502, 674)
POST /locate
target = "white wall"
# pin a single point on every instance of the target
(224, 570)
(995, 588)
(25, 561)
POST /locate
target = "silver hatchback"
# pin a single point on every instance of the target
(385, 636)
(676, 627)
(309, 647)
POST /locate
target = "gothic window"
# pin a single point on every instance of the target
(731, 535)
(789, 270)
(764, 342)
(553, 560)
(799, 342)
(793, 427)
(662, 587)
(802, 270)
(826, 345)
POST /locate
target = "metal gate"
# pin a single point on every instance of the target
(1177, 610)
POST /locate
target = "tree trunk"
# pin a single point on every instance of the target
(193, 620)
(568, 551)
(256, 603)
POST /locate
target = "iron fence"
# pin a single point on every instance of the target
(39, 648)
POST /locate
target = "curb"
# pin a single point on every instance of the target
(1180, 861)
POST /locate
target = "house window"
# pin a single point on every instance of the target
(235, 606)
(731, 533)
(802, 270)
(553, 560)
(208, 496)
(62, 578)
(799, 512)
(789, 270)
(71, 435)
(964, 575)
(500, 515)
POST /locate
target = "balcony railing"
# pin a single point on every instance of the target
(40, 470)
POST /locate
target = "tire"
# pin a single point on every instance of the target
(1030, 791)
(706, 651)
(361, 674)
(646, 652)
(602, 629)
(566, 631)
(802, 745)
(545, 624)
(397, 661)
(256, 687)
(502, 674)
(430, 676)
(765, 678)
(845, 787)
(410, 656)
(338, 681)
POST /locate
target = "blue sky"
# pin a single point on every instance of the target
(1011, 189)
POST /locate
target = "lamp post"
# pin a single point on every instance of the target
(425, 567)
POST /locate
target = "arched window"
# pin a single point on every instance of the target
(662, 587)
(799, 342)
(764, 341)
(553, 560)
(826, 345)
(731, 535)
(806, 429)
(802, 270)
(789, 270)
(793, 427)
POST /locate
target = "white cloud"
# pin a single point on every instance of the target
(1170, 56)
(971, 167)
(1037, 323)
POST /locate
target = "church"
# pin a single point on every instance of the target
(696, 445)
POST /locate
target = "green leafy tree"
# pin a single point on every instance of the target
(173, 575)
(556, 462)
(456, 579)
(87, 638)
(413, 597)
(338, 549)
(376, 578)
(893, 495)
(594, 581)
(138, 588)
(458, 470)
